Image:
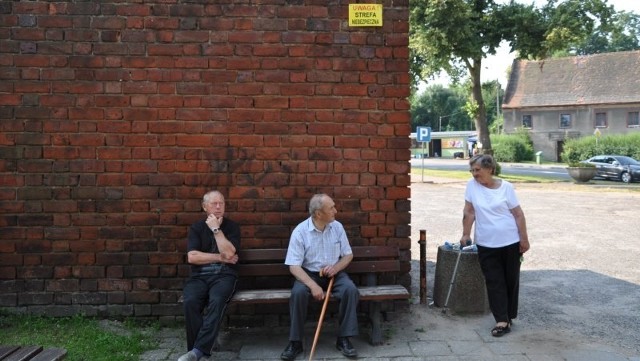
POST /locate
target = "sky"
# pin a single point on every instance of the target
(496, 66)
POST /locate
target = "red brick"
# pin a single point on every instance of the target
(114, 285)
(10, 99)
(88, 272)
(133, 10)
(161, 23)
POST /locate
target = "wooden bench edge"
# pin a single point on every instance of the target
(281, 295)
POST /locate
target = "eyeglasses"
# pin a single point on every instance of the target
(475, 170)
(215, 204)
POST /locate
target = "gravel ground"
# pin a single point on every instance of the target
(581, 274)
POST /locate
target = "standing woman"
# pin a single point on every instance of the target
(500, 235)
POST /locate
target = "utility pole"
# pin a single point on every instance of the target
(440, 120)
(497, 99)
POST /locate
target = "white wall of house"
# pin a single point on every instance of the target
(548, 132)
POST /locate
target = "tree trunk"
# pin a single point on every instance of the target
(480, 116)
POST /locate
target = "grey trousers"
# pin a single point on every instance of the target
(343, 289)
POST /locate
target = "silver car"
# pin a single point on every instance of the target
(617, 167)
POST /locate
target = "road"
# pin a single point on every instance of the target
(555, 171)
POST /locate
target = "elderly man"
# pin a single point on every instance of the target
(212, 253)
(319, 250)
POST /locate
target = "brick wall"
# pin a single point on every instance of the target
(116, 117)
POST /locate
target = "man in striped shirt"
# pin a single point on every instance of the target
(319, 250)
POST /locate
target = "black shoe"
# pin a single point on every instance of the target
(294, 348)
(500, 331)
(344, 345)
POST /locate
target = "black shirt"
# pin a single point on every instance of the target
(201, 239)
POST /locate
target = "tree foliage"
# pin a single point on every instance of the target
(440, 108)
(623, 35)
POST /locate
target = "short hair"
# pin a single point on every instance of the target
(207, 196)
(316, 203)
(485, 161)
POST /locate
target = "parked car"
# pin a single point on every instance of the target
(617, 167)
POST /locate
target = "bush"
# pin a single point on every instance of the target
(579, 149)
(512, 148)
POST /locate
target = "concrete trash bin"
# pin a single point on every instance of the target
(469, 294)
(539, 157)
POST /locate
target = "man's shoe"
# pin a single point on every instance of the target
(294, 348)
(344, 345)
(189, 356)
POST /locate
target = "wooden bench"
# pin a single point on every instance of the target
(31, 353)
(258, 267)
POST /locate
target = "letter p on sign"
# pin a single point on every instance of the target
(423, 134)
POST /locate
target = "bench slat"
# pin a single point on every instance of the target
(267, 255)
(367, 293)
(50, 354)
(24, 353)
(264, 269)
(375, 252)
(280, 269)
(373, 266)
(385, 292)
(7, 350)
(262, 296)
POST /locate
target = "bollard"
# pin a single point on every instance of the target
(423, 266)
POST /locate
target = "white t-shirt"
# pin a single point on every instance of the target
(495, 226)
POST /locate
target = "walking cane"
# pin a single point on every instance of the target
(324, 309)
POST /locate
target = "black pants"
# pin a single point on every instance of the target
(501, 269)
(213, 291)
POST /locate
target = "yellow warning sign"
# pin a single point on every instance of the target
(365, 14)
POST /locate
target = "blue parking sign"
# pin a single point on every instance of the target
(423, 134)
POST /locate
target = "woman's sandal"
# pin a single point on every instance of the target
(499, 331)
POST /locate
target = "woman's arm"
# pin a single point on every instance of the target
(521, 222)
(468, 217)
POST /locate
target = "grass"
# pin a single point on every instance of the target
(84, 338)
(602, 185)
(464, 175)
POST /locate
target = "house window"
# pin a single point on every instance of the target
(527, 122)
(565, 121)
(633, 120)
(601, 120)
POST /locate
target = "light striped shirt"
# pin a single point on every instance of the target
(313, 249)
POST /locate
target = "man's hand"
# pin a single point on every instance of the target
(213, 222)
(232, 260)
(317, 292)
(328, 271)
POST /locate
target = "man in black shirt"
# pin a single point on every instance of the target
(212, 253)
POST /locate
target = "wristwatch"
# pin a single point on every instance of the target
(216, 230)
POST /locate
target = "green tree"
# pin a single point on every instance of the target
(456, 35)
(439, 108)
(493, 93)
(623, 35)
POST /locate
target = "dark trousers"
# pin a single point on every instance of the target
(501, 269)
(343, 289)
(213, 291)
